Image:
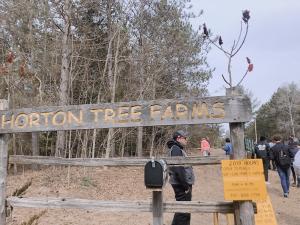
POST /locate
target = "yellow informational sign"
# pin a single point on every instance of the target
(265, 213)
(244, 180)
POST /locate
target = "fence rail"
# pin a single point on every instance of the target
(121, 206)
(89, 162)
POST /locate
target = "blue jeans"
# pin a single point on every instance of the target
(284, 175)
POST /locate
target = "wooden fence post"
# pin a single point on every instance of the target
(157, 207)
(244, 212)
(3, 168)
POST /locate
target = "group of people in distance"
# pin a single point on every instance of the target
(285, 159)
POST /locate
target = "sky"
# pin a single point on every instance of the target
(272, 44)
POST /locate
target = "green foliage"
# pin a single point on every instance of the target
(280, 115)
(87, 182)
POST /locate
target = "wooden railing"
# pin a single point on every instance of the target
(157, 206)
(95, 162)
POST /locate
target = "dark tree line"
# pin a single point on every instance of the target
(59, 52)
(280, 115)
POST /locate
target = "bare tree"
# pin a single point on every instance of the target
(234, 49)
(65, 73)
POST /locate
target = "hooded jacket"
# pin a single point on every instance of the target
(262, 150)
(179, 174)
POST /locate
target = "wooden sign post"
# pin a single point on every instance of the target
(157, 207)
(3, 168)
(244, 213)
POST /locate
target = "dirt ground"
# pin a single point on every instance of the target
(128, 184)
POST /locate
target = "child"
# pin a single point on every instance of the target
(227, 147)
(205, 147)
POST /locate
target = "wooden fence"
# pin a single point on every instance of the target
(157, 206)
(232, 108)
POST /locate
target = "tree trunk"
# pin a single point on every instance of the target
(123, 141)
(109, 142)
(140, 142)
(14, 152)
(110, 74)
(291, 115)
(35, 147)
(63, 90)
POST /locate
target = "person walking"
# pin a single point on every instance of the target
(296, 165)
(205, 147)
(293, 148)
(281, 155)
(272, 162)
(181, 178)
(262, 151)
(228, 147)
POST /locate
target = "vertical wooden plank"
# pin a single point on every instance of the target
(3, 168)
(244, 213)
(216, 218)
(237, 140)
(230, 219)
(157, 207)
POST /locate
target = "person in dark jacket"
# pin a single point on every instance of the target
(181, 178)
(277, 152)
(262, 151)
(293, 148)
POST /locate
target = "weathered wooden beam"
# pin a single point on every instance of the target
(121, 206)
(3, 168)
(157, 207)
(127, 114)
(89, 162)
(244, 211)
(198, 207)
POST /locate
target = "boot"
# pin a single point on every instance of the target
(298, 182)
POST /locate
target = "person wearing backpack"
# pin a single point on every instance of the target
(282, 156)
(262, 151)
(181, 178)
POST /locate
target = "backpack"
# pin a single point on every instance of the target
(284, 159)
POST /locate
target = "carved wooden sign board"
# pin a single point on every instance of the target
(127, 114)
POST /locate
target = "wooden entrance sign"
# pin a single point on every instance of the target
(127, 114)
(232, 109)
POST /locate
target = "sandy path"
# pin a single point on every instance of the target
(127, 184)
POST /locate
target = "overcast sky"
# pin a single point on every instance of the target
(273, 43)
